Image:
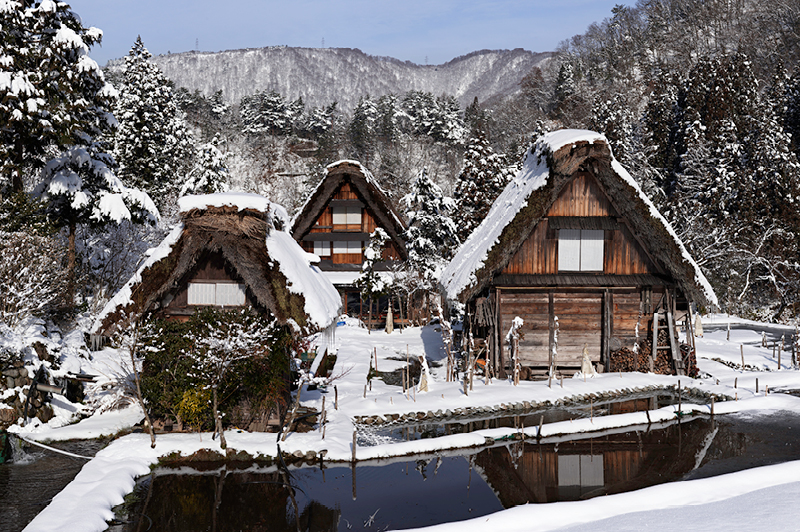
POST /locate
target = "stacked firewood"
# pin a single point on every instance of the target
(626, 360)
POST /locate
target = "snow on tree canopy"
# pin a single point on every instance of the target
(463, 271)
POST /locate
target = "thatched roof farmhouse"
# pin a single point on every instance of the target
(575, 248)
(229, 250)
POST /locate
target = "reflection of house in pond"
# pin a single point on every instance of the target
(579, 469)
(224, 501)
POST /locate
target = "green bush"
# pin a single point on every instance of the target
(170, 383)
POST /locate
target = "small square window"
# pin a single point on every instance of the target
(580, 250)
(322, 248)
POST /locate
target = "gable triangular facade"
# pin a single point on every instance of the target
(229, 250)
(336, 221)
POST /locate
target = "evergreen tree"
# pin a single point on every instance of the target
(484, 175)
(266, 113)
(210, 172)
(431, 237)
(51, 93)
(370, 282)
(79, 188)
(152, 144)
(614, 119)
(362, 129)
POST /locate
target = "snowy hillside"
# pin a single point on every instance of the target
(324, 75)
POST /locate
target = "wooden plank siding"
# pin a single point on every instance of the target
(581, 197)
(538, 254)
(579, 324)
(347, 232)
(534, 309)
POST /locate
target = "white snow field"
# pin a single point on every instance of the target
(754, 499)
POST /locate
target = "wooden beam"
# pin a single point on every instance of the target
(654, 350)
(551, 343)
(606, 337)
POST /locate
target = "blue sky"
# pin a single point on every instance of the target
(413, 30)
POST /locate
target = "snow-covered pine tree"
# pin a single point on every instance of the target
(152, 144)
(266, 113)
(210, 172)
(615, 119)
(51, 92)
(362, 129)
(79, 188)
(431, 237)
(483, 177)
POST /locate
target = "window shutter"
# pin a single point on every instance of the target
(201, 294)
(569, 250)
(591, 250)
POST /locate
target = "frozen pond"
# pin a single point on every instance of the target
(431, 489)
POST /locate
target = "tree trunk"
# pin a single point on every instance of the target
(139, 392)
(71, 262)
(16, 172)
(218, 421)
(369, 322)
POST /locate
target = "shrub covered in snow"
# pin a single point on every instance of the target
(242, 355)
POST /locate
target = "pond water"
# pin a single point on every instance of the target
(35, 476)
(454, 486)
(379, 434)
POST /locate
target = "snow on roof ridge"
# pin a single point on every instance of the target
(240, 200)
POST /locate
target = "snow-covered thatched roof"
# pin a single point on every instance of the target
(365, 186)
(549, 165)
(249, 231)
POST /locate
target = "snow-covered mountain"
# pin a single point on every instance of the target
(324, 75)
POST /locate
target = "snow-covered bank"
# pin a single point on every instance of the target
(745, 500)
(96, 492)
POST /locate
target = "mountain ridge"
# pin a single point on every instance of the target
(324, 75)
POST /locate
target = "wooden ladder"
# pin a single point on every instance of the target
(663, 319)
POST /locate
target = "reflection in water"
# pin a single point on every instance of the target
(580, 469)
(416, 493)
(373, 435)
(34, 477)
(428, 489)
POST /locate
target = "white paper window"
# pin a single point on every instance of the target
(216, 294)
(580, 470)
(339, 215)
(346, 215)
(580, 250)
(230, 295)
(342, 247)
(591, 250)
(202, 293)
(569, 250)
(322, 248)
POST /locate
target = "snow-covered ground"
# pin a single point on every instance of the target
(731, 500)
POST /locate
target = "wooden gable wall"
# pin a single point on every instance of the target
(581, 200)
(324, 224)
